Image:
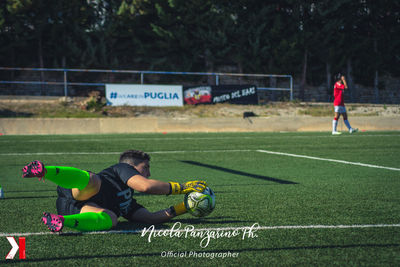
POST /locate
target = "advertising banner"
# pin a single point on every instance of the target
(197, 95)
(144, 95)
(235, 94)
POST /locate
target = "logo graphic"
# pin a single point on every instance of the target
(113, 95)
(125, 200)
(161, 95)
(198, 95)
(16, 247)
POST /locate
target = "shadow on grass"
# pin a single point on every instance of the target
(213, 220)
(239, 185)
(152, 254)
(256, 176)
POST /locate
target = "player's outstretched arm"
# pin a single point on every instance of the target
(156, 187)
(149, 186)
(144, 216)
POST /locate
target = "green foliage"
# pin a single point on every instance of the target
(204, 35)
(94, 102)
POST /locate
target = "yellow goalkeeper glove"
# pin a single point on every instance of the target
(178, 209)
(177, 188)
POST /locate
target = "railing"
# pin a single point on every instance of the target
(142, 73)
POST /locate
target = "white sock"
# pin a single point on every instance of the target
(334, 125)
(347, 124)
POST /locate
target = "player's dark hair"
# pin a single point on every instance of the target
(338, 77)
(134, 157)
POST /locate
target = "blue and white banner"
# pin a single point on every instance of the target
(144, 95)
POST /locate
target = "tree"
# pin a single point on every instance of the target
(308, 39)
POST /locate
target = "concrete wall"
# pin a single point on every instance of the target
(28, 126)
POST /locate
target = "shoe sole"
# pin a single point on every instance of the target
(49, 222)
(33, 169)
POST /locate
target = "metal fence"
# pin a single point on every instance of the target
(66, 83)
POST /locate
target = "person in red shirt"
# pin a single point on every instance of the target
(338, 103)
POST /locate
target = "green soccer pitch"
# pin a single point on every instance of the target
(281, 199)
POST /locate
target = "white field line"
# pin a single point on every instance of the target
(113, 153)
(119, 139)
(189, 138)
(205, 151)
(331, 160)
(283, 227)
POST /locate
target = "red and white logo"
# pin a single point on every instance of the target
(16, 247)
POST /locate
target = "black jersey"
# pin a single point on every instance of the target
(114, 193)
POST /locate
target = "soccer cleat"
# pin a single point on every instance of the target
(336, 133)
(34, 169)
(353, 130)
(54, 222)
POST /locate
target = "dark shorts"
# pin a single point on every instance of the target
(67, 205)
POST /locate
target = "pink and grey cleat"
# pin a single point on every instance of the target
(34, 169)
(54, 222)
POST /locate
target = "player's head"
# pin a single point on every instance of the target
(138, 159)
(338, 77)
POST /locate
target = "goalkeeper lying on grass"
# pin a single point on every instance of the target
(88, 201)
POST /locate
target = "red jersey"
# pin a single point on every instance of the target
(338, 94)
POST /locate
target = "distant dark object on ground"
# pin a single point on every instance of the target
(248, 114)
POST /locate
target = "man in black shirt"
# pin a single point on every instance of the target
(88, 201)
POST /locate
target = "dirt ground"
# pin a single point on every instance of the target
(89, 107)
